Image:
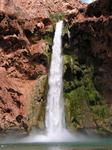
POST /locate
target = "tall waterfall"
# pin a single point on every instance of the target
(55, 118)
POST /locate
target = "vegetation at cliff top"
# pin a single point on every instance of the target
(57, 16)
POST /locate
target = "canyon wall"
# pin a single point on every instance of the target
(24, 61)
(87, 63)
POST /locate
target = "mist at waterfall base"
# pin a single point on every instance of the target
(55, 131)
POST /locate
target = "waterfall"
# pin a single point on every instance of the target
(55, 118)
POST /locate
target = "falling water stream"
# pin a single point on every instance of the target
(55, 117)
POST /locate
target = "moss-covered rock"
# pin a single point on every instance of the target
(37, 109)
(80, 94)
(57, 16)
(84, 104)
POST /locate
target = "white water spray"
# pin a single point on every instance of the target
(55, 118)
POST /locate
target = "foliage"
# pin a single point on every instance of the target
(80, 92)
(57, 16)
(47, 38)
(101, 111)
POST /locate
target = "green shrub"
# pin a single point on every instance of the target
(56, 17)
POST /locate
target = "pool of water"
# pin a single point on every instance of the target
(39, 140)
(65, 146)
(103, 144)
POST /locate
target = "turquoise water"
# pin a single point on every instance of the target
(14, 141)
(103, 144)
(55, 147)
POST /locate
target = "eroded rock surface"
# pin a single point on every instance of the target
(41, 8)
(23, 59)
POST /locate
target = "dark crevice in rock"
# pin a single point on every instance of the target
(11, 44)
(2, 16)
(40, 59)
(68, 75)
(7, 110)
(13, 91)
